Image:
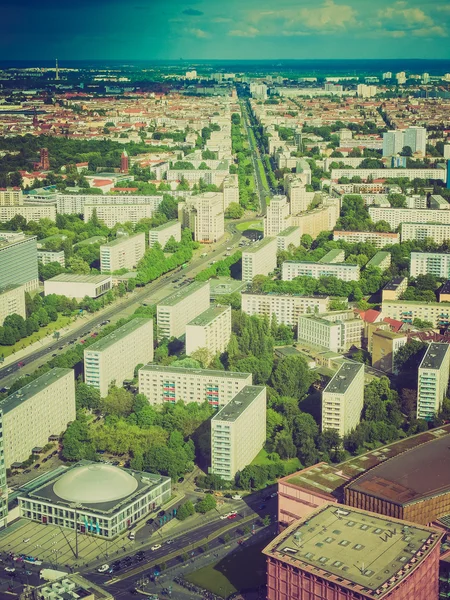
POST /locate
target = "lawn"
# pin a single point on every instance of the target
(263, 175)
(256, 225)
(291, 465)
(243, 569)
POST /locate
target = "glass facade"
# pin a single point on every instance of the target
(19, 264)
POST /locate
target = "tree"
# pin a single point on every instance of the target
(172, 245)
(406, 151)
(78, 266)
(292, 377)
(234, 211)
(283, 445)
(208, 503)
(87, 397)
(118, 402)
(203, 356)
(408, 357)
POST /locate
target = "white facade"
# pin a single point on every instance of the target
(416, 139)
(204, 215)
(288, 237)
(286, 307)
(122, 253)
(30, 213)
(12, 302)
(437, 313)
(112, 359)
(74, 203)
(47, 256)
(162, 234)
(432, 380)
(432, 174)
(78, 286)
(175, 311)
(337, 331)
(430, 263)
(344, 271)
(393, 142)
(230, 189)
(396, 216)
(439, 233)
(277, 216)
(259, 259)
(343, 399)
(11, 197)
(111, 214)
(211, 330)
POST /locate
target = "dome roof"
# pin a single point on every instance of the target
(95, 483)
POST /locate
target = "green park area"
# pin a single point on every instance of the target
(263, 459)
(62, 321)
(255, 225)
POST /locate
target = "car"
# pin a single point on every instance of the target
(131, 535)
(180, 479)
(20, 364)
(224, 517)
(54, 354)
(37, 466)
(236, 497)
(28, 572)
(274, 495)
(199, 490)
(27, 471)
(161, 513)
(82, 341)
(156, 547)
(169, 542)
(10, 569)
(95, 334)
(61, 348)
(150, 521)
(116, 463)
(232, 516)
(103, 569)
(45, 459)
(26, 540)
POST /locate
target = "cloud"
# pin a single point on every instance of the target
(330, 16)
(414, 21)
(431, 32)
(198, 33)
(192, 12)
(250, 32)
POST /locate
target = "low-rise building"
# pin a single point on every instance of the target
(288, 237)
(438, 232)
(291, 269)
(113, 358)
(377, 238)
(385, 345)
(381, 260)
(161, 384)
(210, 329)
(122, 253)
(394, 288)
(48, 256)
(238, 432)
(70, 587)
(78, 286)
(259, 259)
(343, 399)
(174, 312)
(432, 380)
(335, 331)
(12, 302)
(285, 307)
(444, 292)
(162, 234)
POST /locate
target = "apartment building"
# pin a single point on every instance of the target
(210, 329)
(35, 412)
(170, 384)
(393, 142)
(122, 253)
(385, 345)
(288, 237)
(320, 219)
(378, 239)
(285, 307)
(291, 269)
(335, 331)
(112, 214)
(74, 203)
(18, 262)
(432, 380)
(394, 288)
(430, 263)
(238, 432)
(12, 302)
(113, 358)
(438, 313)
(12, 196)
(78, 286)
(277, 216)
(48, 256)
(230, 190)
(204, 215)
(439, 233)
(343, 399)
(33, 212)
(396, 216)
(3, 484)
(433, 174)
(381, 260)
(299, 197)
(436, 201)
(259, 259)
(162, 234)
(178, 309)
(332, 257)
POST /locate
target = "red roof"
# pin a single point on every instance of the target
(369, 316)
(395, 325)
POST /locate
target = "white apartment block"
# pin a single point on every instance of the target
(162, 234)
(377, 239)
(42, 408)
(30, 213)
(299, 197)
(175, 311)
(430, 263)
(78, 286)
(230, 189)
(74, 203)
(343, 399)
(277, 216)
(438, 313)
(366, 91)
(337, 332)
(18, 260)
(432, 174)
(288, 237)
(12, 302)
(259, 259)
(396, 216)
(122, 253)
(344, 271)
(286, 307)
(211, 330)
(204, 215)
(439, 233)
(416, 139)
(238, 432)
(432, 380)
(169, 384)
(48, 256)
(11, 197)
(393, 142)
(112, 359)
(112, 214)
(320, 219)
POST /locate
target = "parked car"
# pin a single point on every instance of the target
(103, 569)
(131, 535)
(236, 497)
(232, 516)
(156, 547)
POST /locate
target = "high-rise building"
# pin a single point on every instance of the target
(430, 263)
(238, 432)
(12, 196)
(112, 359)
(285, 307)
(258, 91)
(416, 139)
(35, 412)
(393, 142)
(366, 91)
(344, 271)
(162, 234)
(259, 259)
(204, 215)
(175, 311)
(288, 237)
(122, 253)
(299, 197)
(401, 77)
(425, 78)
(56, 71)
(12, 302)
(45, 161)
(3, 484)
(18, 262)
(210, 329)
(338, 552)
(124, 162)
(118, 212)
(170, 384)
(277, 216)
(324, 218)
(385, 345)
(432, 380)
(230, 189)
(387, 75)
(343, 399)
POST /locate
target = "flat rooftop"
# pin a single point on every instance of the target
(434, 356)
(377, 259)
(188, 371)
(322, 264)
(123, 239)
(4, 243)
(344, 378)
(71, 278)
(285, 295)
(9, 288)
(96, 239)
(258, 245)
(239, 403)
(209, 315)
(31, 389)
(164, 226)
(288, 231)
(354, 547)
(117, 335)
(225, 285)
(182, 294)
(331, 255)
(394, 283)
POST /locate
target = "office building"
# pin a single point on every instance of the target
(12, 302)
(285, 307)
(30, 212)
(396, 216)
(112, 359)
(12, 196)
(95, 499)
(277, 216)
(78, 286)
(170, 384)
(430, 263)
(394, 288)
(210, 329)
(259, 259)
(204, 215)
(343, 399)
(18, 262)
(112, 214)
(122, 253)
(385, 345)
(416, 139)
(381, 260)
(47, 256)
(35, 412)
(238, 432)
(439, 233)
(162, 234)
(338, 553)
(437, 313)
(393, 142)
(291, 269)
(288, 237)
(377, 239)
(175, 311)
(432, 381)
(336, 331)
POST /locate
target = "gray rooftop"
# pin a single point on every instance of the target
(123, 239)
(31, 389)
(5, 243)
(183, 293)
(9, 288)
(239, 403)
(164, 226)
(288, 231)
(71, 278)
(344, 378)
(393, 284)
(209, 315)
(117, 335)
(190, 371)
(258, 245)
(434, 356)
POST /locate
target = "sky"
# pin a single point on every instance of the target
(225, 29)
